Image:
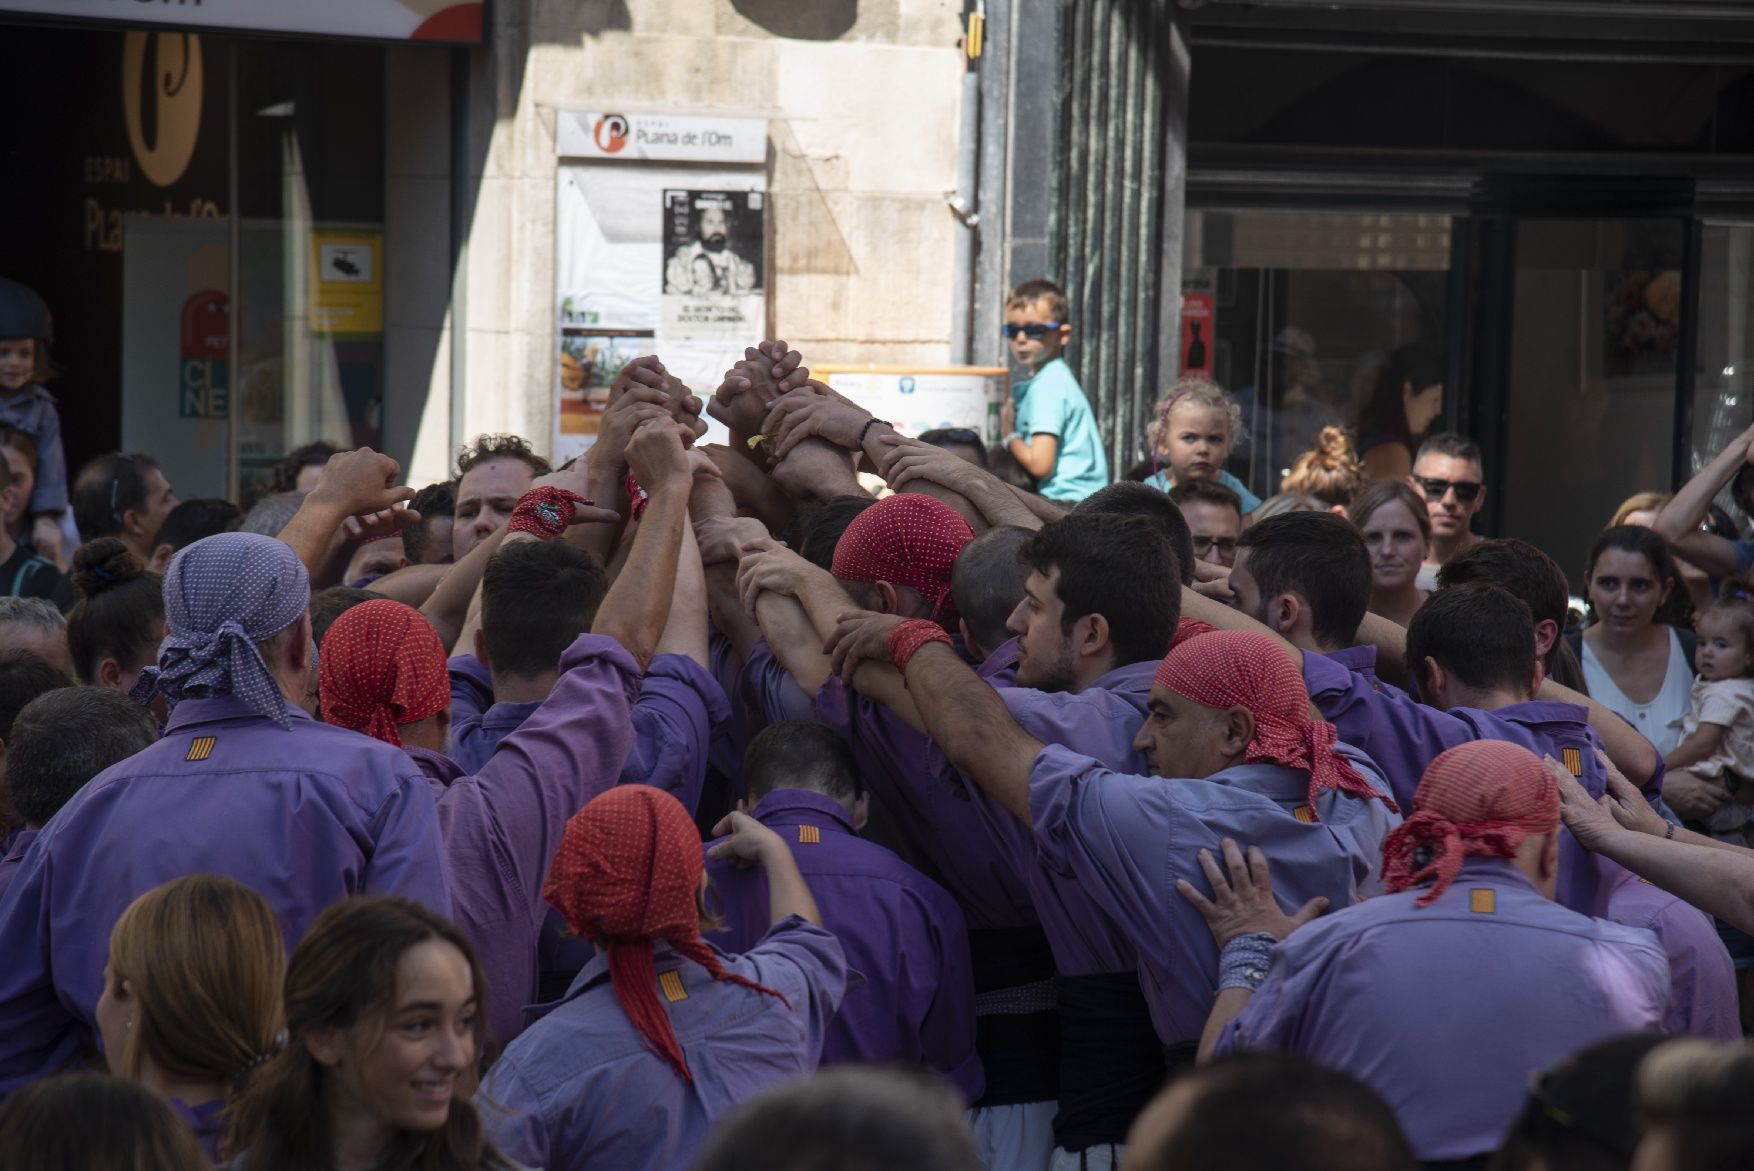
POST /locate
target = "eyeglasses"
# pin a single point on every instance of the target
(1204, 545)
(1034, 330)
(1435, 490)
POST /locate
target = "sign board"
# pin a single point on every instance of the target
(1199, 317)
(454, 21)
(921, 399)
(347, 285)
(660, 138)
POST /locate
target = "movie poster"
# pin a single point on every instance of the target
(713, 279)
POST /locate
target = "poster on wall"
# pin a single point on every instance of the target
(652, 259)
(915, 401)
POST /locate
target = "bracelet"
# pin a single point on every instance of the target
(545, 511)
(863, 431)
(908, 637)
(1244, 961)
(1669, 834)
(636, 496)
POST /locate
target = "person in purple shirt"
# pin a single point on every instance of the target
(899, 929)
(1702, 977)
(1306, 577)
(1395, 992)
(243, 784)
(661, 1034)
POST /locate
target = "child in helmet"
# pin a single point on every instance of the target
(25, 333)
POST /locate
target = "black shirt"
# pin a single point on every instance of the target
(25, 575)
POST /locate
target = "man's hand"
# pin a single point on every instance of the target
(752, 386)
(1694, 798)
(1213, 581)
(747, 842)
(859, 637)
(359, 483)
(816, 470)
(657, 457)
(770, 568)
(1243, 903)
(911, 462)
(635, 404)
(814, 409)
(379, 524)
(648, 372)
(1589, 820)
(1007, 418)
(1628, 804)
(722, 538)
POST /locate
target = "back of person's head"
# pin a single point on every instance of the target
(271, 514)
(342, 982)
(1207, 492)
(821, 527)
(196, 966)
(536, 598)
(1453, 445)
(1519, 567)
(1694, 1097)
(34, 624)
(987, 582)
(1318, 555)
(1008, 469)
(94, 1122)
(845, 1118)
(328, 605)
(1268, 1112)
(1481, 634)
(491, 447)
(284, 475)
(1639, 502)
(1384, 492)
(1676, 608)
(1283, 503)
(24, 675)
(1581, 1113)
(1115, 566)
(434, 503)
(66, 736)
(1129, 499)
(1329, 470)
(107, 488)
(115, 627)
(1051, 298)
(191, 520)
(958, 440)
(800, 754)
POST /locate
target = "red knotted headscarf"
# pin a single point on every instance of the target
(906, 539)
(1479, 799)
(381, 666)
(1232, 668)
(626, 874)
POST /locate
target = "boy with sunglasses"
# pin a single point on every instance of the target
(1050, 428)
(1448, 473)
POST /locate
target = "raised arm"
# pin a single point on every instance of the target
(357, 485)
(638, 603)
(751, 843)
(1678, 522)
(911, 466)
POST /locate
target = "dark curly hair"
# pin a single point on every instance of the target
(488, 447)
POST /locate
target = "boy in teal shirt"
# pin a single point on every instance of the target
(1048, 422)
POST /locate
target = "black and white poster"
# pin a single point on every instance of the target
(714, 284)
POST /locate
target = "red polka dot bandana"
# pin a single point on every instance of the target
(1233, 668)
(906, 539)
(1479, 799)
(626, 874)
(382, 666)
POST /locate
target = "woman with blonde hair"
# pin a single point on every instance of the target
(1329, 471)
(191, 999)
(1196, 424)
(1397, 533)
(1693, 1096)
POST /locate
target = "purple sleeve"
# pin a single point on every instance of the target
(679, 704)
(407, 854)
(37, 1031)
(947, 1033)
(806, 965)
(514, 1121)
(471, 696)
(1398, 732)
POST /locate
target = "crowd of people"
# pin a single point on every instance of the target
(835, 799)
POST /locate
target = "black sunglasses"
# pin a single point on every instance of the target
(1035, 330)
(1203, 545)
(1434, 490)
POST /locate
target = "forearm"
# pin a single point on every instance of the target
(1631, 753)
(968, 720)
(727, 609)
(448, 606)
(1225, 1009)
(787, 892)
(824, 601)
(999, 505)
(793, 639)
(606, 488)
(411, 585)
(1037, 454)
(1719, 882)
(638, 603)
(311, 533)
(686, 630)
(882, 683)
(1682, 514)
(1217, 615)
(1044, 509)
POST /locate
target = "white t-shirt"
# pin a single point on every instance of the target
(1660, 719)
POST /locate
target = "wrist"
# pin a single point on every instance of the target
(1244, 960)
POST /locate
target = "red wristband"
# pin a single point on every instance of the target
(545, 511)
(636, 495)
(910, 636)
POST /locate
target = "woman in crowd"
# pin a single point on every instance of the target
(1634, 661)
(113, 631)
(1397, 531)
(384, 1041)
(1406, 398)
(1196, 426)
(1282, 503)
(1329, 471)
(191, 1000)
(90, 1122)
(1642, 509)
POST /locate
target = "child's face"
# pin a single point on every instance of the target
(1722, 652)
(18, 363)
(1197, 442)
(1044, 345)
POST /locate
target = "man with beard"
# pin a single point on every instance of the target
(710, 254)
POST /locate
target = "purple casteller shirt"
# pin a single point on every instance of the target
(1702, 977)
(900, 930)
(1126, 839)
(1404, 735)
(304, 817)
(581, 1088)
(1446, 1010)
(16, 846)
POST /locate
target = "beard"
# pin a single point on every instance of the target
(1053, 674)
(714, 243)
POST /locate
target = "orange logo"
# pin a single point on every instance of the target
(610, 133)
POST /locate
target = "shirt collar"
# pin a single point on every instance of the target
(802, 807)
(191, 712)
(1269, 780)
(510, 714)
(1534, 713)
(1003, 658)
(1128, 677)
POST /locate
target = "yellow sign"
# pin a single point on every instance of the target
(347, 283)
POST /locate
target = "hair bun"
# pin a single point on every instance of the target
(103, 564)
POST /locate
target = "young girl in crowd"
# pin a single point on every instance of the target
(114, 629)
(1718, 746)
(1196, 426)
(25, 334)
(1397, 531)
(384, 1028)
(1634, 661)
(1329, 471)
(191, 1000)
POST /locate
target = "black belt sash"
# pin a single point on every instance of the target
(1111, 1063)
(1018, 1043)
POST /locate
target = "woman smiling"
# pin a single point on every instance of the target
(1397, 532)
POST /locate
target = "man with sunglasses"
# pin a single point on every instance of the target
(1448, 473)
(1050, 428)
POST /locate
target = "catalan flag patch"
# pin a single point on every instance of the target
(1573, 761)
(809, 835)
(1483, 900)
(1305, 814)
(670, 984)
(200, 748)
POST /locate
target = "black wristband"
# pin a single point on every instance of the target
(865, 430)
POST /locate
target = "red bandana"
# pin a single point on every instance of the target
(382, 665)
(1231, 668)
(906, 539)
(1479, 799)
(625, 875)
